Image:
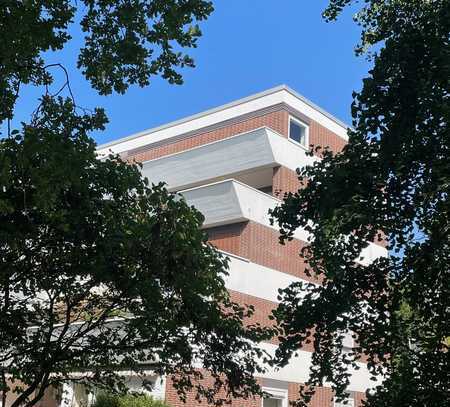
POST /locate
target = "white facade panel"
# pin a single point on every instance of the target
(256, 280)
(297, 370)
(230, 201)
(271, 97)
(257, 149)
(229, 156)
(217, 202)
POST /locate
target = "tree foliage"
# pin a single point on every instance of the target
(126, 42)
(101, 272)
(129, 400)
(392, 176)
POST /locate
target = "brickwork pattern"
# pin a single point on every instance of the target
(284, 181)
(259, 244)
(263, 308)
(275, 120)
(230, 238)
(173, 399)
(321, 136)
(322, 398)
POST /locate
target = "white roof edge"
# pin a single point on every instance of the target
(224, 107)
(314, 106)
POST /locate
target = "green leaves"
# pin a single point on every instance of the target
(126, 42)
(101, 272)
(28, 29)
(130, 41)
(391, 177)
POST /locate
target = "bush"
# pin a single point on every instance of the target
(128, 400)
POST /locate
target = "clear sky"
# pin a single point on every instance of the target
(247, 46)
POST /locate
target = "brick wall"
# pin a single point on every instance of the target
(276, 120)
(284, 181)
(263, 308)
(259, 244)
(173, 399)
(321, 136)
(323, 396)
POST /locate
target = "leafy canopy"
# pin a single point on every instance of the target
(129, 400)
(102, 272)
(392, 176)
(125, 42)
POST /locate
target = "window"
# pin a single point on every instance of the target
(278, 398)
(298, 131)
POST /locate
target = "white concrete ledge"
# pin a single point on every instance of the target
(297, 370)
(258, 281)
(229, 111)
(230, 201)
(251, 151)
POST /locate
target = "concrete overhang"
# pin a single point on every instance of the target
(251, 151)
(229, 201)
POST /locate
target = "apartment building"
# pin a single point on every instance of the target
(233, 163)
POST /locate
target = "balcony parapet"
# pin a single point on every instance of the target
(230, 201)
(250, 151)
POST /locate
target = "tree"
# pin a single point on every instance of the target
(126, 42)
(99, 270)
(129, 400)
(392, 176)
(102, 272)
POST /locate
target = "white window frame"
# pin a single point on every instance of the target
(302, 124)
(276, 393)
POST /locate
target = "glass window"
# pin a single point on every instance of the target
(272, 402)
(277, 397)
(298, 131)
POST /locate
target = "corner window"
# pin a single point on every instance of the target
(298, 132)
(277, 398)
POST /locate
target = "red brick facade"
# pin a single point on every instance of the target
(255, 242)
(277, 121)
(259, 244)
(323, 396)
(321, 136)
(284, 181)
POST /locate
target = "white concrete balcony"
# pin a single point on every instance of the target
(230, 201)
(249, 157)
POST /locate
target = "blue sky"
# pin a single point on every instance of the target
(247, 46)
